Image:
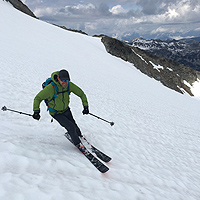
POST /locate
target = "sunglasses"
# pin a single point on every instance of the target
(65, 81)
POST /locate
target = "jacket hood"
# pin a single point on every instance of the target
(54, 78)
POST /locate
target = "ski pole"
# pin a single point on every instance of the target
(111, 123)
(4, 108)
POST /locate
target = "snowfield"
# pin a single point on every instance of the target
(154, 144)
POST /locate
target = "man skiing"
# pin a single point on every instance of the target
(59, 106)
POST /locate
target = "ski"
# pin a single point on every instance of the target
(97, 163)
(98, 153)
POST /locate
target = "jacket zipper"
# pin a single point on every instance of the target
(63, 100)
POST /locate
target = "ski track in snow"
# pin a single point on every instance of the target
(154, 143)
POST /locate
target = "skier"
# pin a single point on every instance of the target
(59, 106)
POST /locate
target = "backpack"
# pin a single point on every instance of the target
(50, 81)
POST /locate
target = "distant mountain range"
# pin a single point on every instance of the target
(162, 36)
(184, 51)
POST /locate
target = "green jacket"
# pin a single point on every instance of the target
(60, 103)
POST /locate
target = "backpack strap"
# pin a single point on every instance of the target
(54, 96)
(56, 90)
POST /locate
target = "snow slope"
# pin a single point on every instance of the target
(154, 143)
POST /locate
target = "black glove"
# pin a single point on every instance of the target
(86, 110)
(36, 115)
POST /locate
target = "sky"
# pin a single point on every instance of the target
(120, 18)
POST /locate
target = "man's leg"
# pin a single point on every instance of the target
(69, 115)
(69, 126)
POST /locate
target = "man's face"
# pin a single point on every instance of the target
(63, 83)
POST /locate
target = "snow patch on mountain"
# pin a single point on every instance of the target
(157, 67)
(195, 88)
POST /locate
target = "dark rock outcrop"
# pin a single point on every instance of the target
(69, 29)
(170, 73)
(22, 7)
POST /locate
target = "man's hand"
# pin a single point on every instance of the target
(86, 110)
(36, 115)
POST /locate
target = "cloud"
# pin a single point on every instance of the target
(49, 11)
(80, 9)
(83, 12)
(120, 16)
(159, 30)
(118, 10)
(172, 13)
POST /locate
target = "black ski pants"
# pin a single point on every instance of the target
(67, 121)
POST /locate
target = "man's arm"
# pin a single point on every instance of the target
(79, 92)
(42, 95)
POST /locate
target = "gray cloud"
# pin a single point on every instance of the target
(120, 16)
(153, 7)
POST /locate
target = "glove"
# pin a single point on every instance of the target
(36, 115)
(85, 110)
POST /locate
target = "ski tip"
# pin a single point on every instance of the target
(103, 169)
(108, 160)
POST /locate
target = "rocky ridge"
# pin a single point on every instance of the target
(21, 7)
(170, 73)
